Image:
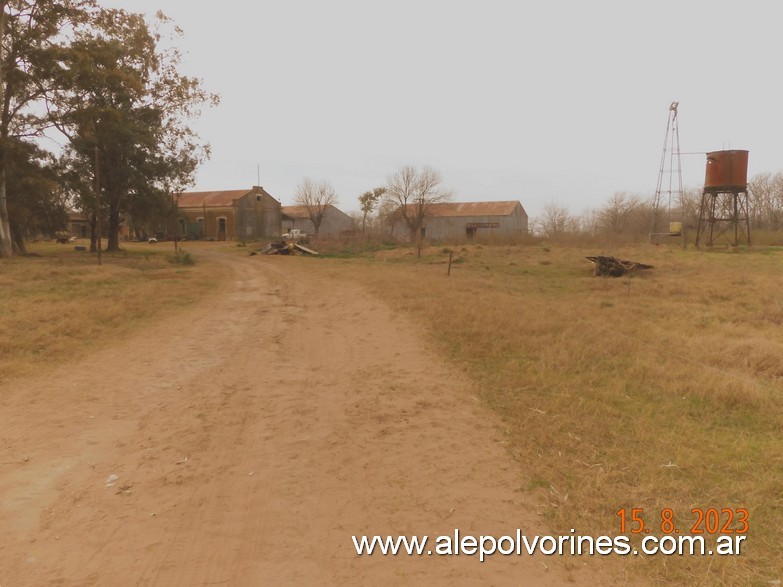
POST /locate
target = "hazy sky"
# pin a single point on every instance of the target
(542, 102)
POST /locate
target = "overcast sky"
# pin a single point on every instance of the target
(544, 101)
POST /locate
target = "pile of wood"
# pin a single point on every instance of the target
(284, 248)
(614, 267)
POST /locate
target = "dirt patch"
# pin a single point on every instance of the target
(245, 440)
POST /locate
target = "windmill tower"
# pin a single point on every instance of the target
(668, 193)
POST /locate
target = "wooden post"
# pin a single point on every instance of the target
(451, 255)
(418, 250)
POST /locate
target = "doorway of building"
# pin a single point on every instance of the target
(221, 231)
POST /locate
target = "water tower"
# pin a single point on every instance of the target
(724, 210)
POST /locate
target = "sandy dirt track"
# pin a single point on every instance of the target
(251, 437)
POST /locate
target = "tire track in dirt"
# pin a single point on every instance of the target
(253, 435)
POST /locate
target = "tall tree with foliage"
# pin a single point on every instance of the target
(125, 99)
(368, 201)
(36, 204)
(33, 36)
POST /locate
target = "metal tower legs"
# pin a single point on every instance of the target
(723, 213)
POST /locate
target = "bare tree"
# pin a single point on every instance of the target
(386, 216)
(623, 213)
(690, 203)
(413, 192)
(554, 220)
(766, 191)
(315, 197)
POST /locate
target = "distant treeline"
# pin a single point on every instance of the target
(630, 216)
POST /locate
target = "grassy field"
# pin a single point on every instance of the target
(658, 391)
(58, 303)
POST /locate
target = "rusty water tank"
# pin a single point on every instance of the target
(727, 170)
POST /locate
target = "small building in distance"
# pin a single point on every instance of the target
(229, 214)
(78, 224)
(449, 221)
(335, 222)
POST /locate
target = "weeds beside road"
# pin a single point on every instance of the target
(658, 391)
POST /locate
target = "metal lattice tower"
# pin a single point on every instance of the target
(724, 213)
(668, 193)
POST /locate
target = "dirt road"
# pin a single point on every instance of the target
(244, 441)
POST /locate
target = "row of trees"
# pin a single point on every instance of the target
(408, 195)
(107, 81)
(631, 215)
(410, 191)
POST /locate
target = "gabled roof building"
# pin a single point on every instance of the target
(449, 221)
(229, 214)
(334, 223)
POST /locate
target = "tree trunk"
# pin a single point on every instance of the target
(6, 249)
(5, 225)
(18, 245)
(113, 236)
(94, 232)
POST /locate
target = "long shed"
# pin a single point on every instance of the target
(467, 220)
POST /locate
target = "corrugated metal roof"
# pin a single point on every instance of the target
(221, 198)
(295, 211)
(456, 209)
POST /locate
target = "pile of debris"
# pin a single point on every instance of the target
(284, 248)
(614, 267)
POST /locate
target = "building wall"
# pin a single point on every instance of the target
(79, 228)
(207, 220)
(451, 228)
(456, 227)
(334, 223)
(271, 218)
(257, 215)
(254, 215)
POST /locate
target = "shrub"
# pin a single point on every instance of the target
(182, 258)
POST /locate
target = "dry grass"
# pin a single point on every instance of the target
(662, 390)
(59, 304)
